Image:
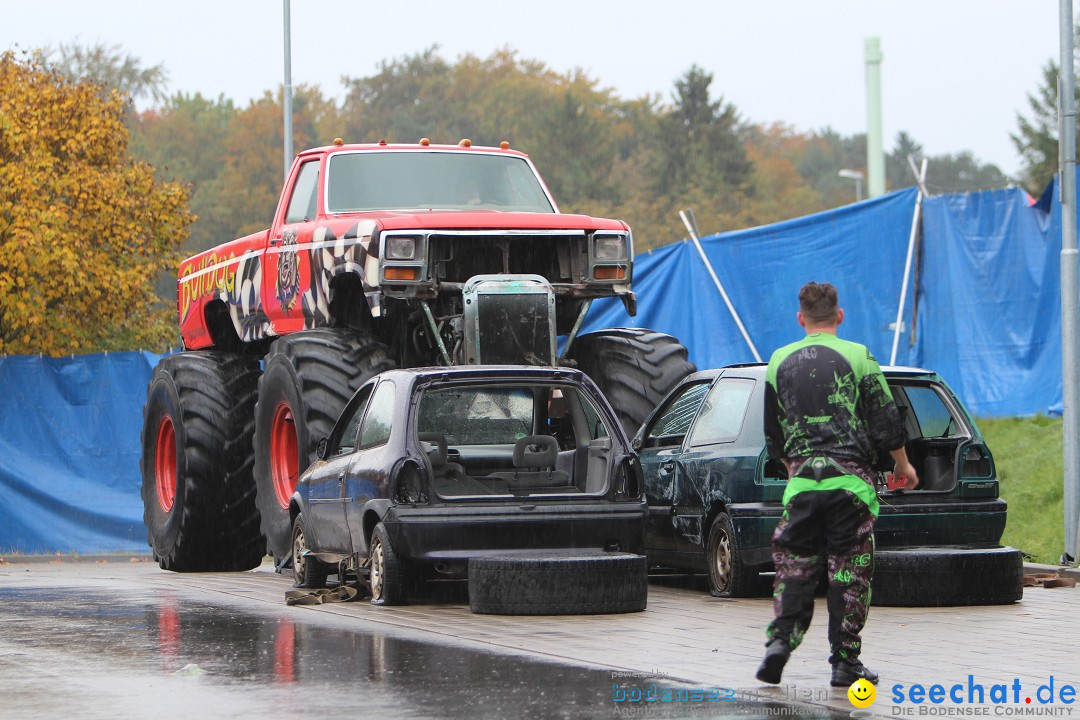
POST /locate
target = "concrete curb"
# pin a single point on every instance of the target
(75, 558)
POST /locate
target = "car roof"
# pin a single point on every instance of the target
(494, 373)
(757, 370)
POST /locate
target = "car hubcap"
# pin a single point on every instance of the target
(299, 562)
(376, 569)
(165, 464)
(722, 560)
(284, 454)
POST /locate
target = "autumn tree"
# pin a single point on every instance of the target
(186, 139)
(251, 174)
(1036, 138)
(84, 229)
(108, 67)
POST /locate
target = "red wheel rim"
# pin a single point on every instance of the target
(165, 464)
(284, 454)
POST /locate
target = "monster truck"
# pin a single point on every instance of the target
(378, 256)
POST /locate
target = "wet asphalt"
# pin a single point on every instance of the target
(98, 652)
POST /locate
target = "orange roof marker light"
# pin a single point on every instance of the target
(465, 142)
(425, 142)
(338, 142)
(504, 145)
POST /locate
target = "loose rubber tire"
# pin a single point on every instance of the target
(308, 572)
(739, 580)
(940, 577)
(208, 398)
(389, 576)
(635, 369)
(558, 583)
(313, 373)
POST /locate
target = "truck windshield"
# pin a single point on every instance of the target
(414, 180)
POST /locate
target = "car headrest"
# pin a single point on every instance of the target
(437, 452)
(536, 451)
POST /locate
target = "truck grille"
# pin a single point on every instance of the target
(458, 257)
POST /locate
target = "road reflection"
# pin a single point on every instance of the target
(240, 663)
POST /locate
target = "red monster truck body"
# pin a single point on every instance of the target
(377, 256)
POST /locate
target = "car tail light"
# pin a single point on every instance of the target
(409, 485)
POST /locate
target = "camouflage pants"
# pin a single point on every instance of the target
(823, 529)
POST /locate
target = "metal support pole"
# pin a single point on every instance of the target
(435, 333)
(921, 178)
(287, 91)
(1070, 299)
(719, 285)
(574, 330)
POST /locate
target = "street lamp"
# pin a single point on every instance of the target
(857, 176)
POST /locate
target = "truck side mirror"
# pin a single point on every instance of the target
(320, 449)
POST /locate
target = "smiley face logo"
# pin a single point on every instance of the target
(862, 693)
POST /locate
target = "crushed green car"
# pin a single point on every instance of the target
(714, 495)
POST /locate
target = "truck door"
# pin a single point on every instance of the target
(285, 265)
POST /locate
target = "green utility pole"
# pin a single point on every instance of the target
(286, 101)
(875, 155)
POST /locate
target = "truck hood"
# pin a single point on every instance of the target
(489, 220)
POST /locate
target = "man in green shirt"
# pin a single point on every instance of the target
(829, 416)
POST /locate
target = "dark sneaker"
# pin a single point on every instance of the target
(846, 672)
(777, 653)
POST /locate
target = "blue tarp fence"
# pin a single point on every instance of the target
(69, 439)
(984, 310)
(983, 302)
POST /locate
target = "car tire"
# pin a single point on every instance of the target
(388, 574)
(307, 379)
(308, 572)
(197, 489)
(940, 577)
(728, 575)
(635, 369)
(570, 583)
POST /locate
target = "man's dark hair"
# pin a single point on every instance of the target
(818, 302)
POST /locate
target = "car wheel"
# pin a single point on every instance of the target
(197, 490)
(308, 572)
(728, 576)
(387, 573)
(308, 378)
(558, 583)
(635, 369)
(940, 577)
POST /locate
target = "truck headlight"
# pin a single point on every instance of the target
(400, 247)
(609, 248)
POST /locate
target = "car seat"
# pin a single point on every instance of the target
(535, 457)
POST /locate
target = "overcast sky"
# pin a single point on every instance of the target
(956, 72)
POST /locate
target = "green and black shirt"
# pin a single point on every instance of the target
(827, 397)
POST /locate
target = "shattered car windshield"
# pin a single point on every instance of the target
(411, 180)
(478, 416)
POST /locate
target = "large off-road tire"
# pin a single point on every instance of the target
(307, 379)
(940, 577)
(197, 488)
(728, 576)
(634, 368)
(308, 572)
(558, 583)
